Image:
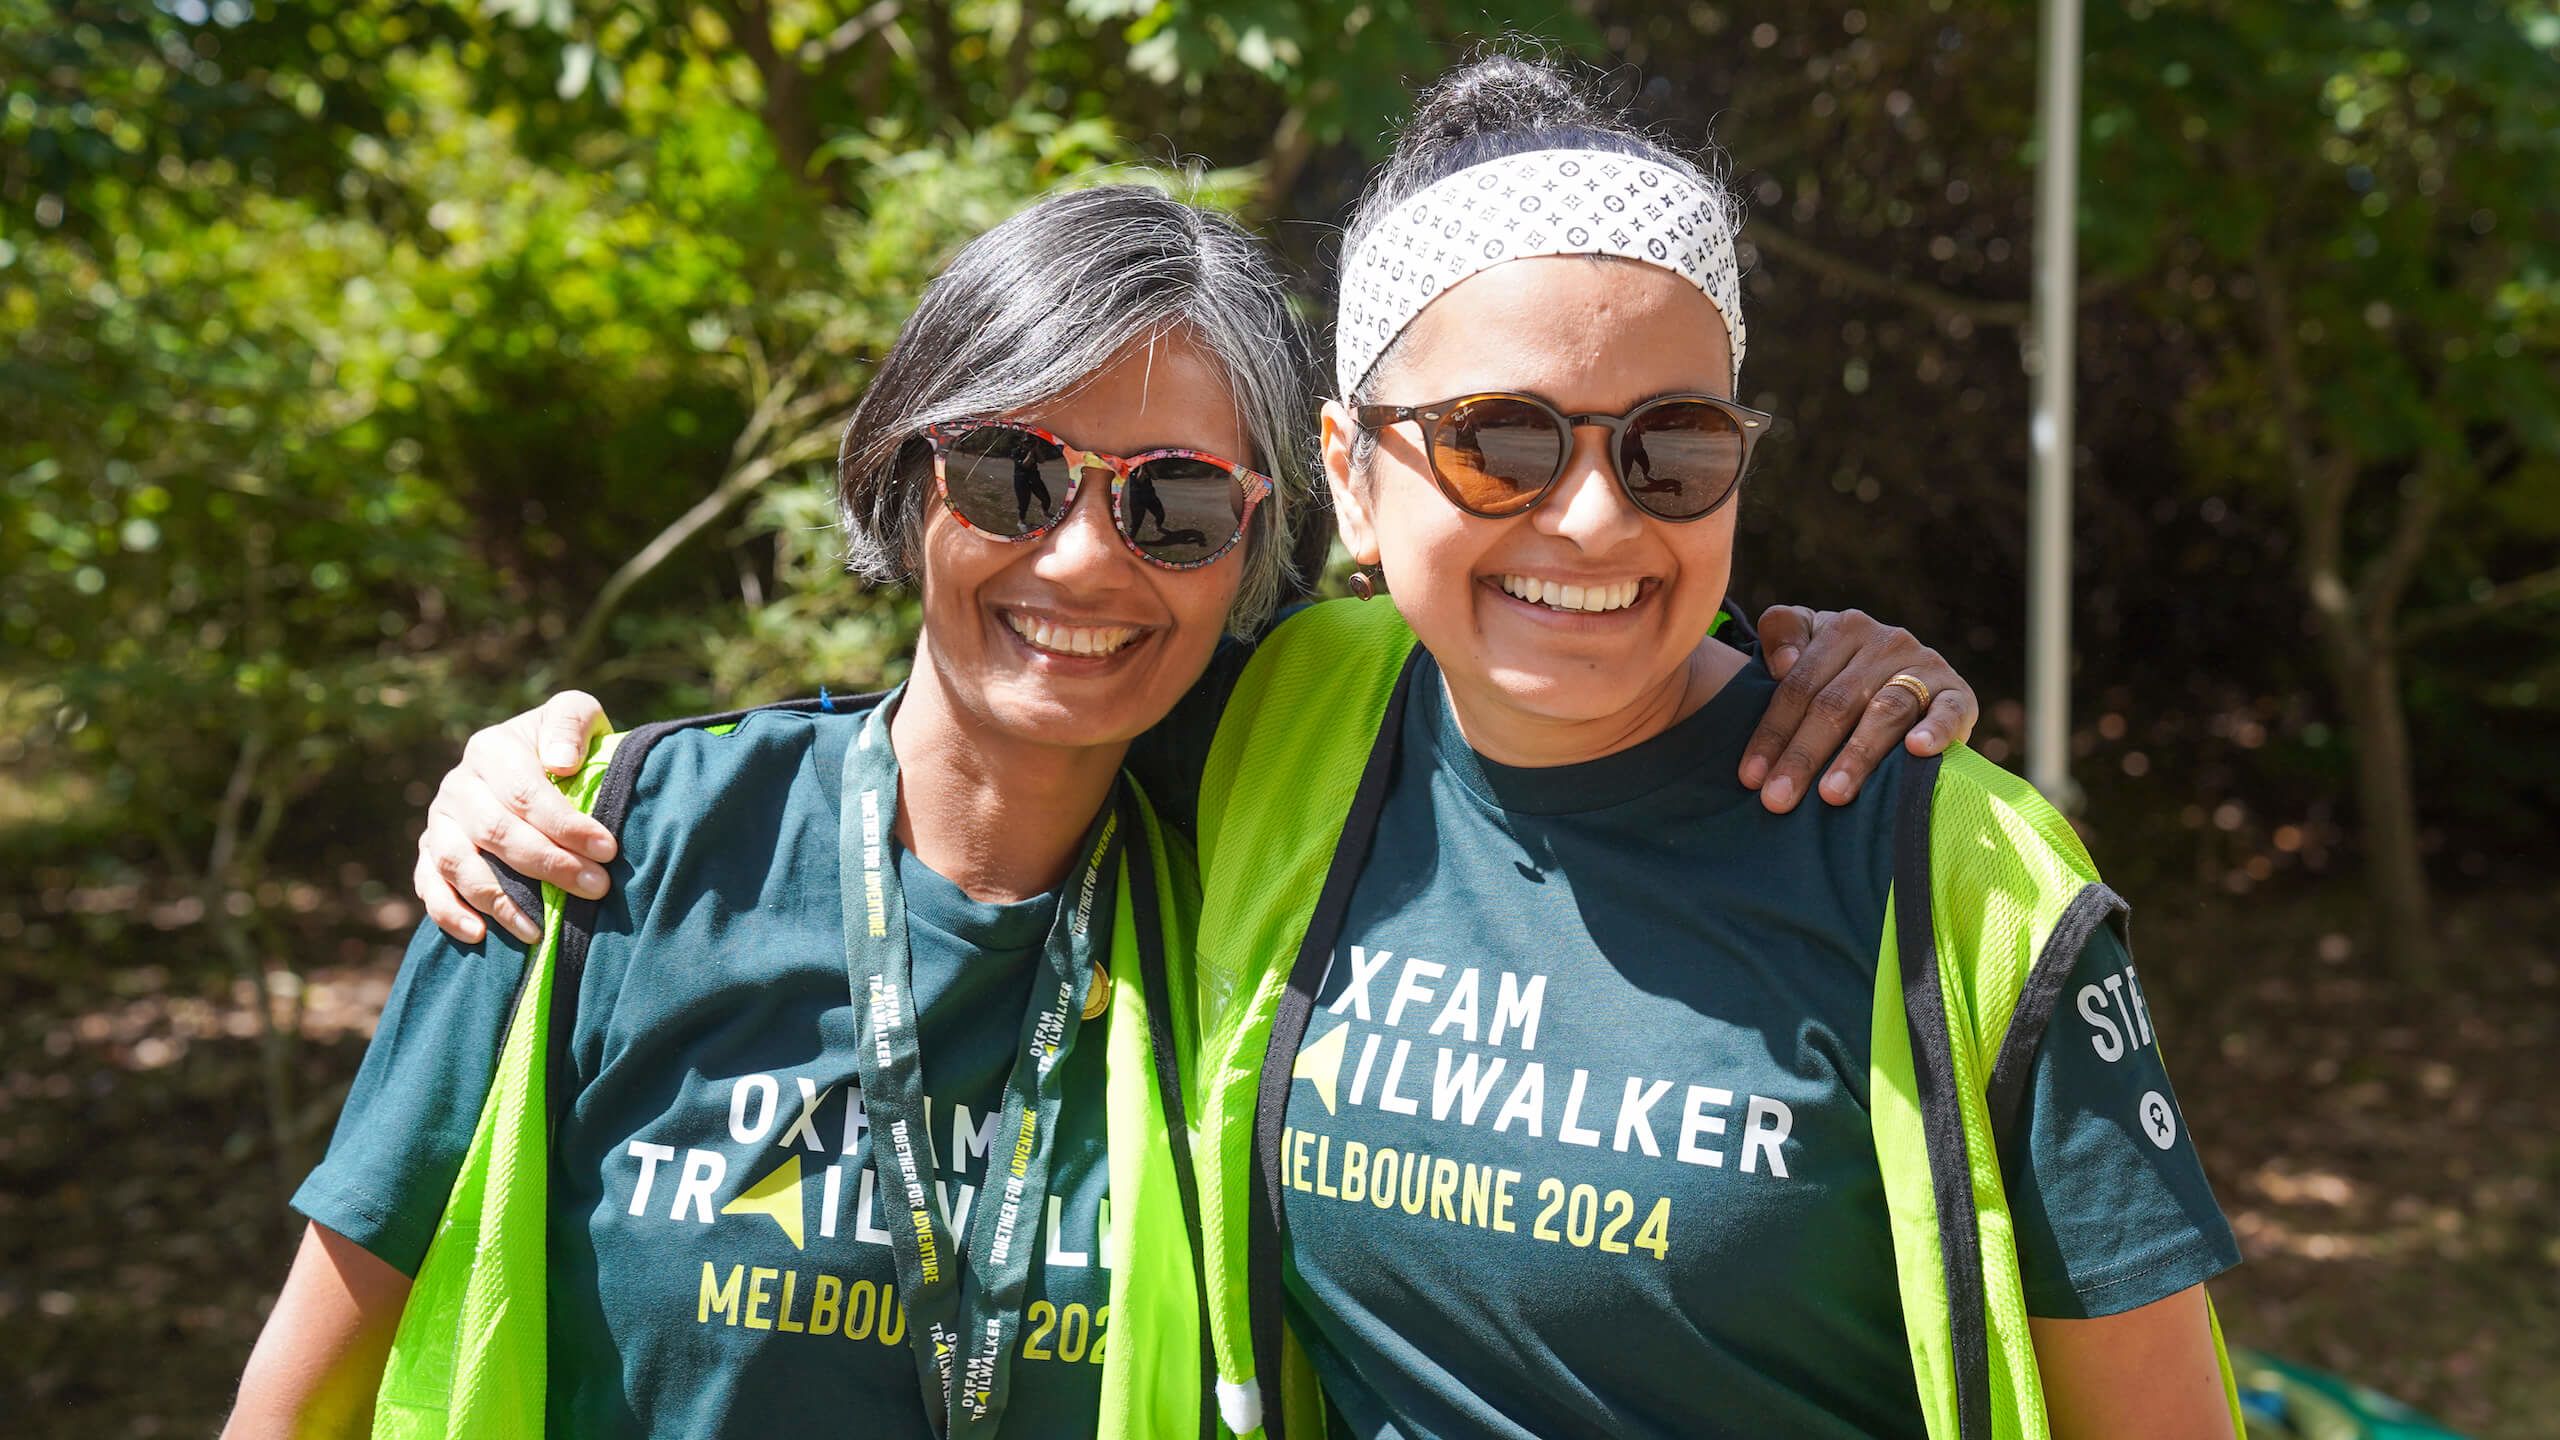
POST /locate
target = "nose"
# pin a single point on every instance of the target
(1085, 552)
(1588, 507)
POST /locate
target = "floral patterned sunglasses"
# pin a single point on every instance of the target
(1180, 509)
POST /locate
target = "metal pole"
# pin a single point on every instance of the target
(2049, 354)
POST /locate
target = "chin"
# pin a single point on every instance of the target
(1567, 694)
(1054, 715)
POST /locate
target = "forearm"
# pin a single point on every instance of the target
(319, 1359)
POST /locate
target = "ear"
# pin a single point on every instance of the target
(1351, 515)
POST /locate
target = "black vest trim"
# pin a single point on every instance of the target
(2095, 905)
(1155, 983)
(1941, 1106)
(1289, 1030)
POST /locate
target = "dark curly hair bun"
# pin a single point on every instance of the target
(1504, 92)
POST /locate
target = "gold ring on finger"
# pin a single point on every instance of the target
(1913, 683)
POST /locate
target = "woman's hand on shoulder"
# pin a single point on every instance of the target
(500, 799)
(1837, 705)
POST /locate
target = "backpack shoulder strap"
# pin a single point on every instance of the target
(616, 791)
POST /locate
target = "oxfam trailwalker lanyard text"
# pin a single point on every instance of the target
(962, 1313)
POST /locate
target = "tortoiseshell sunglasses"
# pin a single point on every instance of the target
(1499, 454)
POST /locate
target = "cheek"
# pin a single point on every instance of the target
(1428, 549)
(1201, 599)
(1705, 551)
(1415, 526)
(955, 563)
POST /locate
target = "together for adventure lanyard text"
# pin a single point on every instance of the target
(962, 1313)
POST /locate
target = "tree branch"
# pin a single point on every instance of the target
(817, 52)
(937, 67)
(1282, 163)
(2544, 586)
(779, 409)
(272, 797)
(785, 108)
(2386, 579)
(227, 814)
(2320, 483)
(1945, 304)
(1017, 57)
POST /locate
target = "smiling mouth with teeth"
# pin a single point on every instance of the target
(1078, 640)
(1578, 599)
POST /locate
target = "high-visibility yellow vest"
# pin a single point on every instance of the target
(469, 1357)
(1954, 1022)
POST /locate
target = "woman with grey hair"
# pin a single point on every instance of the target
(740, 1039)
(1081, 444)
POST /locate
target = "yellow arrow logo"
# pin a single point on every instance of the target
(776, 1196)
(1322, 1063)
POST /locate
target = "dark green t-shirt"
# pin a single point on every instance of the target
(1579, 1142)
(1168, 758)
(718, 1265)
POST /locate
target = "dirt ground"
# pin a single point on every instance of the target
(2389, 1154)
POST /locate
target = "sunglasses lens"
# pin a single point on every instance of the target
(1005, 481)
(1681, 459)
(1181, 510)
(1496, 457)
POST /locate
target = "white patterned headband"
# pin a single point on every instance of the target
(1543, 202)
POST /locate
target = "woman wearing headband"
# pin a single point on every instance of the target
(943, 900)
(1551, 1088)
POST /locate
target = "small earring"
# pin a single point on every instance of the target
(1362, 587)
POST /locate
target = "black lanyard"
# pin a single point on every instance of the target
(962, 1313)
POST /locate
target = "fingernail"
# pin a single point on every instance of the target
(590, 882)
(528, 934)
(1754, 770)
(1783, 656)
(1920, 735)
(1836, 785)
(1781, 792)
(601, 851)
(559, 757)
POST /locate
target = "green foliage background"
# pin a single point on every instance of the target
(350, 352)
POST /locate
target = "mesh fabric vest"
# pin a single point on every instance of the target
(1965, 983)
(469, 1356)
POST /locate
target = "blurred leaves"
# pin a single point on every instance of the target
(369, 340)
(2384, 164)
(354, 354)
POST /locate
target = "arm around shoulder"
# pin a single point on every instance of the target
(319, 1360)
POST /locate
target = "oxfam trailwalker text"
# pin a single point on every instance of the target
(1458, 1047)
(813, 1186)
